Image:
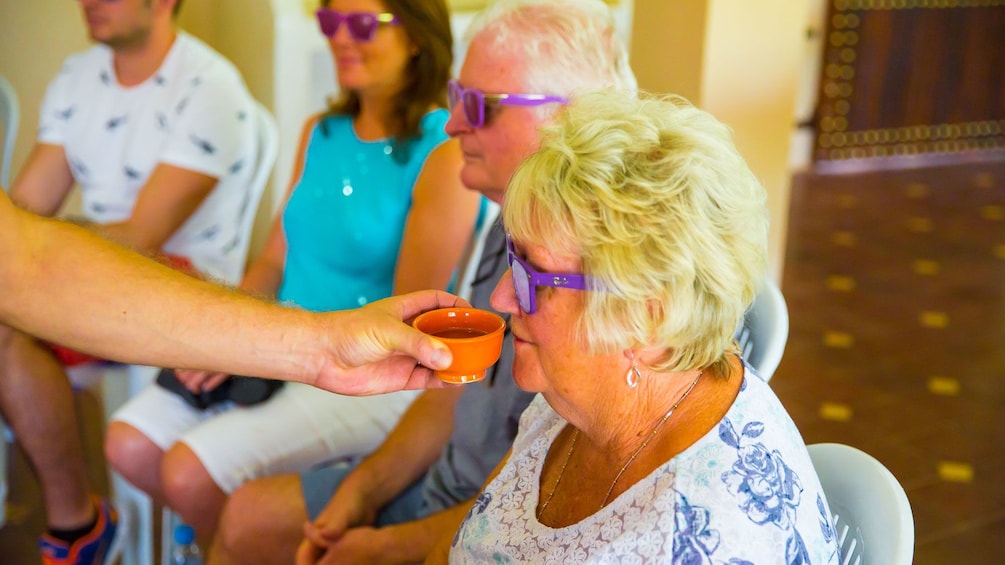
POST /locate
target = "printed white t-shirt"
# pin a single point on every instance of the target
(195, 113)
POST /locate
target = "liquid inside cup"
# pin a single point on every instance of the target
(458, 333)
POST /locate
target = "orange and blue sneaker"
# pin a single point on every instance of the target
(88, 550)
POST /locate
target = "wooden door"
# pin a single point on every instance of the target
(911, 77)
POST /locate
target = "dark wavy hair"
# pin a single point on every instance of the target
(427, 23)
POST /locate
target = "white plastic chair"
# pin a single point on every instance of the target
(10, 115)
(133, 543)
(135, 508)
(268, 148)
(765, 330)
(872, 516)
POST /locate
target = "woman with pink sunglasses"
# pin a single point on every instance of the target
(375, 207)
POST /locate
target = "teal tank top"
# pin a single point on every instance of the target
(346, 216)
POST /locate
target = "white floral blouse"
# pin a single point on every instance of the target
(745, 493)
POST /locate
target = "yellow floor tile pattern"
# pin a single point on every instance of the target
(907, 361)
(840, 340)
(993, 213)
(835, 412)
(937, 320)
(943, 386)
(926, 267)
(840, 284)
(956, 472)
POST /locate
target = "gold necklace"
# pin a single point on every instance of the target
(617, 477)
(560, 473)
(651, 436)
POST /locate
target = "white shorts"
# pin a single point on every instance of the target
(297, 429)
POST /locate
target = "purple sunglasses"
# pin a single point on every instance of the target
(526, 279)
(474, 101)
(362, 25)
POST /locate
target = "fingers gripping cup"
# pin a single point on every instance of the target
(474, 337)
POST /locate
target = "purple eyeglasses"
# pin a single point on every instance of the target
(362, 25)
(474, 101)
(526, 279)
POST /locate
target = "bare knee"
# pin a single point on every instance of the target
(134, 456)
(240, 518)
(184, 476)
(261, 522)
(126, 446)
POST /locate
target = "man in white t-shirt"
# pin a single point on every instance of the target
(158, 131)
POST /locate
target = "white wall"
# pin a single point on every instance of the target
(741, 61)
(801, 149)
(35, 37)
(303, 75)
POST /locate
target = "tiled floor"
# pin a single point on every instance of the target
(895, 283)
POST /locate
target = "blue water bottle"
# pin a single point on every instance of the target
(186, 551)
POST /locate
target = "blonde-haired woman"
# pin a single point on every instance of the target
(638, 238)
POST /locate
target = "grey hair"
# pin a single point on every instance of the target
(651, 194)
(571, 46)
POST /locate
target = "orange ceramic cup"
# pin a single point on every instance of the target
(474, 337)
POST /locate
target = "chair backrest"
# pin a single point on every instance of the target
(872, 516)
(268, 148)
(765, 330)
(10, 115)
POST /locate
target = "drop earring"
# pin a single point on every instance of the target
(633, 376)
